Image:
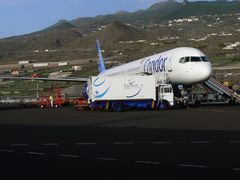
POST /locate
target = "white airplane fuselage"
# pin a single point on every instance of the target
(182, 66)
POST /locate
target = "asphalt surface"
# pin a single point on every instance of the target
(63, 143)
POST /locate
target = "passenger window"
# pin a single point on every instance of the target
(195, 59)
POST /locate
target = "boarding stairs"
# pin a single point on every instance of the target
(218, 87)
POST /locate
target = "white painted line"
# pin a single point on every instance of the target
(200, 142)
(36, 153)
(122, 143)
(162, 142)
(50, 144)
(18, 144)
(236, 169)
(106, 159)
(85, 143)
(191, 165)
(234, 142)
(147, 162)
(69, 155)
(6, 150)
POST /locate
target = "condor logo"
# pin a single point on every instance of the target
(153, 66)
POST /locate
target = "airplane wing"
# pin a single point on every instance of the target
(46, 79)
(68, 79)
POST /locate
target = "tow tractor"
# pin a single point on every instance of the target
(58, 101)
(81, 104)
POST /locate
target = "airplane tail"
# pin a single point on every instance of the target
(101, 65)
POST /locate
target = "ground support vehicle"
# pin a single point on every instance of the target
(81, 104)
(118, 93)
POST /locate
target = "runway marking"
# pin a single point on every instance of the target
(200, 142)
(85, 143)
(36, 153)
(6, 150)
(122, 143)
(147, 162)
(234, 142)
(191, 165)
(50, 144)
(69, 155)
(236, 169)
(106, 159)
(162, 142)
(18, 144)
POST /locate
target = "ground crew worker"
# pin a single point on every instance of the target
(51, 100)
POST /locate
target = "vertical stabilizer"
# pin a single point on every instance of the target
(101, 65)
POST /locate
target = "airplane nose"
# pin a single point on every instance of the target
(201, 72)
(206, 72)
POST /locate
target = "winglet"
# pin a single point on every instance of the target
(101, 65)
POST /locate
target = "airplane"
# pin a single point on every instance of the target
(184, 66)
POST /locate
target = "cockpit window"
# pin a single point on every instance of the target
(204, 59)
(187, 59)
(193, 59)
(196, 59)
(184, 60)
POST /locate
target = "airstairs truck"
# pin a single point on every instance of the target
(117, 93)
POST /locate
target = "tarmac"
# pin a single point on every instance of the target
(195, 143)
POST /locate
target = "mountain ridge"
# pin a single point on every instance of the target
(131, 33)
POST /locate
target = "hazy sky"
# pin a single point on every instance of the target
(24, 16)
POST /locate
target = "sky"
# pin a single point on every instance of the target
(19, 17)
